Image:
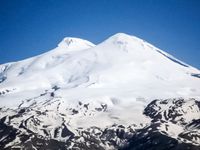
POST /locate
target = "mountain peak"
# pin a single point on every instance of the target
(123, 38)
(75, 43)
(120, 34)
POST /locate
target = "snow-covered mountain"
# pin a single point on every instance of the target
(123, 93)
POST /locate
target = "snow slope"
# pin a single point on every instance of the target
(82, 85)
(122, 65)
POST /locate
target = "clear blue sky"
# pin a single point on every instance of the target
(31, 27)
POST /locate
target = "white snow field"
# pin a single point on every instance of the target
(122, 66)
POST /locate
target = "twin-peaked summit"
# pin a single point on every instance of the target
(78, 43)
(122, 62)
